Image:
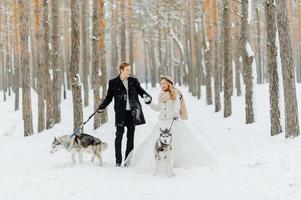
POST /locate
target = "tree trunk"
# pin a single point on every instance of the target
(215, 29)
(16, 54)
(247, 64)
(74, 66)
(237, 48)
(85, 50)
(123, 31)
(227, 60)
(217, 99)
(114, 46)
(272, 67)
(152, 63)
(99, 60)
(237, 68)
(131, 34)
(208, 65)
(47, 67)
(67, 44)
(289, 86)
(40, 70)
(55, 61)
(25, 67)
(259, 60)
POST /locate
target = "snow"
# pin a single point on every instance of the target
(250, 163)
(249, 11)
(249, 49)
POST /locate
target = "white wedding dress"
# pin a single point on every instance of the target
(187, 151)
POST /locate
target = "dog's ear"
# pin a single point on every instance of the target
(161, 130)
(55, 138)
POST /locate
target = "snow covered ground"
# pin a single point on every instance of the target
(250, 163)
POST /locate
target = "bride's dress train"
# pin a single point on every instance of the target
(187, 150)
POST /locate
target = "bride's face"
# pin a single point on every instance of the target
(164, 84)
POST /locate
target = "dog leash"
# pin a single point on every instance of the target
(88, 119)
(77, 130)
(171, 123)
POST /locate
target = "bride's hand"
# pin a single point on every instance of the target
(175, 116)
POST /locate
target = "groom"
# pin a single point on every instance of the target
(128, 111)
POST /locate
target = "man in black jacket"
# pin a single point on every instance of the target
(128, 111)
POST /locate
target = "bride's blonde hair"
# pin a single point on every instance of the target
(170, 88)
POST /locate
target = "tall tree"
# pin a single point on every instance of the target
(2, 54)
(289, 85)
(40, 70)
(99, 60)
(85, 49)
(131, 34)
(237, 45)
(114, 46)
(259, 70)
(272, 67)
(208, 51)
(16, 53)
(47, 67)
(74, 66)
(247, 58)
(25, 67)
(123, 31)
(227, 60)
(217, 101)
(55, 61)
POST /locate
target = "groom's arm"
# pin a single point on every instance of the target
(140, 90)
(108, 98)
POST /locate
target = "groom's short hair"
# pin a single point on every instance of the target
(123, 65)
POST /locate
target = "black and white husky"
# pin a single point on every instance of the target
(79, 143)
(163, 152)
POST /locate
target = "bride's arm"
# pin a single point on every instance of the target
(154, 106)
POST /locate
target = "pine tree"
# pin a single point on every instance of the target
(40, 70)
(227, 60)
(56, 83)
(74, 66)
(247, 64)
(289, 86)
(272, 68)
(25, 67)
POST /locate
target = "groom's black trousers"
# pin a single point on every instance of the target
(129, 123)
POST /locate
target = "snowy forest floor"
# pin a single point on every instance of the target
(250, 163)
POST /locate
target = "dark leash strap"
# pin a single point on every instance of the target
(77, 130)
(171, 124)
(89, 118)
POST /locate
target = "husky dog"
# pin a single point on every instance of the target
(79, 143)
(163, 151)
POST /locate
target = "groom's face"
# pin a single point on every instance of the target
(126, 72)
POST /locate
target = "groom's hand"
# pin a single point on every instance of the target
(100, 109)
(147, 99)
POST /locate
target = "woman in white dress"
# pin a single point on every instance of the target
(187, 150)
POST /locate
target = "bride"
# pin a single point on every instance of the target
(187, 150)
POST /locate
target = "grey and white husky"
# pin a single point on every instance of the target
(163, 152)
(79, 143)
